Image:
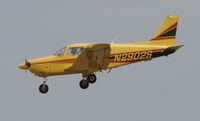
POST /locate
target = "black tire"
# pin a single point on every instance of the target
(84, 84)
(91, 78)
(43, 88)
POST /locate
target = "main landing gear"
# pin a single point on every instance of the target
(90, 79)
(43, 88)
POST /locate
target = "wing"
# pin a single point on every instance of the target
(98, 56)
(94, 58)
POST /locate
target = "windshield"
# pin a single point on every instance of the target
(75, 51)
(60, 52)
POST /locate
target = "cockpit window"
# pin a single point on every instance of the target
(75, 51)
(60, 52)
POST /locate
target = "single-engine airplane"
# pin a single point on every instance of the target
(88, 58)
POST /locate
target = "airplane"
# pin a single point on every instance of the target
(89, 58)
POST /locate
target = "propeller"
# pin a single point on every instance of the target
(27, 63)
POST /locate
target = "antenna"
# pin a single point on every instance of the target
(115, 38)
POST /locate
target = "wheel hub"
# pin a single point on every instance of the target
(43, 88)
(92, 78)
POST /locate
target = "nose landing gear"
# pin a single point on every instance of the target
(90, 79)
(43, 88)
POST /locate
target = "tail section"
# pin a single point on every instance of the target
(166, 34)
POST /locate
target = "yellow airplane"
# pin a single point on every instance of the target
(88, 58)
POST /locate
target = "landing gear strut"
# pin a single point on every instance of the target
(43, 88)
(90, 79)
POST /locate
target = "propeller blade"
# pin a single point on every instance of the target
(27, 63)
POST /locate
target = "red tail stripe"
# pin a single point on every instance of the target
(170, 28)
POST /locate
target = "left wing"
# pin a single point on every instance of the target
(95, 57)
(98, 56)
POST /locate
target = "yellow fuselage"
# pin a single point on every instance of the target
(120, 54)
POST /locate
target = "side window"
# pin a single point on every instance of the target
(75, 51)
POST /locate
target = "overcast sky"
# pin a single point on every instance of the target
(164, 89)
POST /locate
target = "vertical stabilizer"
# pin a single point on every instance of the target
(166, 34)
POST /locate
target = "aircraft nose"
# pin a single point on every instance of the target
(23, 66)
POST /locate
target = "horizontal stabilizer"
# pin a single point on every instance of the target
(171, 49)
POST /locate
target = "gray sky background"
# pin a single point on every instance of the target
(164, 89)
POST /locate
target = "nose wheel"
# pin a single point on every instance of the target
(90, 79)
(43, 88)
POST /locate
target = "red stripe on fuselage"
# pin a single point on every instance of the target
(56, 61)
